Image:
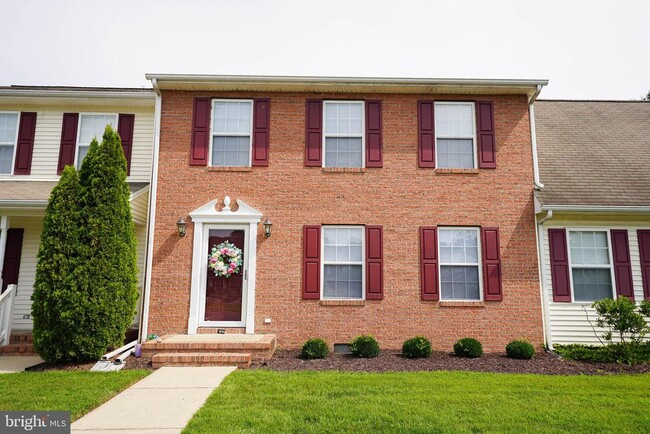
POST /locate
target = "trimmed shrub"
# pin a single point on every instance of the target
(365, 346)
(468, 347)
(612, 353)
(417, 347)
(520, 349)
(315, 349)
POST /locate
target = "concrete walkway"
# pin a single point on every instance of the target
(9, 364)
(163, 402)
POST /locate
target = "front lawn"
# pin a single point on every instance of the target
(264, 401)
(78, 392)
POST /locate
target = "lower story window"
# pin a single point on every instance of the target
(590, 265)
(343, 262)
(459, 264)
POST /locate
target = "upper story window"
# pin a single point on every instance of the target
(344, 133)
(591, 269)
(343, 259)
(455, 135)
(8, 138)
(232, 123)
(91, 126)
(459, 264)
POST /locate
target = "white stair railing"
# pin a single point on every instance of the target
(6, 312)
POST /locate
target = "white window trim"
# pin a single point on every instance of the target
(569, 259)
(13, 158)
(473, 136)
(349, 135)
(250, 134)
(479, 247)
(323, 262)
(99, 139)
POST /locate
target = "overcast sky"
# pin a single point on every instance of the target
(587, 49)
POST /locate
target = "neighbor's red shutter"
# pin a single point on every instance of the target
(487, 151)
(426, 134)
(429, 263)
(311, 262)
(68, 141)
(314, 133)
(374, 263)
(643, 236)
(374, 144)
(125, 130)
(200, 132)
(13, 250)
(25, 146)
(559, 265)
(491, 265)
(622, 263)
(261, 131)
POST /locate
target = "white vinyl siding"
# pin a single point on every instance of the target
(343, 138)
(8, 140)
(460, 270)
(455, 135)
(343, 262)
(232, 136)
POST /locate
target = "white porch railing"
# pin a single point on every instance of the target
(6, 311)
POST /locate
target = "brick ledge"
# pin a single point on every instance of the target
(342, 302)
(461, 304)
(344, 169)
(440, 171)
(229, 169)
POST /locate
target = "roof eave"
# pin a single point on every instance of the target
(618, 209)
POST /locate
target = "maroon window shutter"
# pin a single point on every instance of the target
(559, 265)
(429, 263)
(487, 152)
(311, 262)
(622, 263)
(200, 132)
(314, 133)
(13, 250)
(426, 134)
(68, 141)
(491, 265)
(374, 263)
(261, 131)
(643, 236)
(125, 130)
(25, 145)
(374, 137)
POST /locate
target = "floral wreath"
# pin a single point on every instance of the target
(225, 259)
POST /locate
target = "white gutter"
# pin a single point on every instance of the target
(533, 138)
(598, 208)
(541, 265)
(44, 93)
(23, 203)
(146, 295)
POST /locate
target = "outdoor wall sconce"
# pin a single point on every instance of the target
(267, 227)
(180, 225)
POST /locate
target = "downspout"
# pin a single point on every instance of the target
(533, 137)
(146, 296)
(546, 319)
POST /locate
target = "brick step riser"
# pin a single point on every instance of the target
(17, 350)
(256, 355)
(21, 338)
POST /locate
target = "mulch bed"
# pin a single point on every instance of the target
(131, 363)
(391, 361)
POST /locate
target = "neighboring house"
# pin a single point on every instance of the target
(400, 207)
(43, 129)
(593, 211)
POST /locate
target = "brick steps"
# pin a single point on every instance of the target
(241, 360)
(20, 344)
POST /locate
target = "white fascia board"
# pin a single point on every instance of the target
(597, 208)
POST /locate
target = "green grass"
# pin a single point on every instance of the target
(78, 392)
(423, 402)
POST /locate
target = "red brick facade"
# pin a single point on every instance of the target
(399, 196)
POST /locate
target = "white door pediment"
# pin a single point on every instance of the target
(210, 213)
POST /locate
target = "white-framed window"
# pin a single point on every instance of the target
(92, 125)
(232, 138)
(343, 262)
(590, 257)
(8, 140)
(343, 138)
(455, 135)
(460, 263)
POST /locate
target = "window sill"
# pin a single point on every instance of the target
(461, 304)
(342, 302)
(344, 169)
(441, 171)
(229, 169)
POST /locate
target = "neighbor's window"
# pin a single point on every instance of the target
(343, 134)
(92, 126)
(343, 262)
(8, 138)
(459, 263)
(455, 141)
(590, 265)
(232, 123)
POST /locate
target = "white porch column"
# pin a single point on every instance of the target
(4, 225)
